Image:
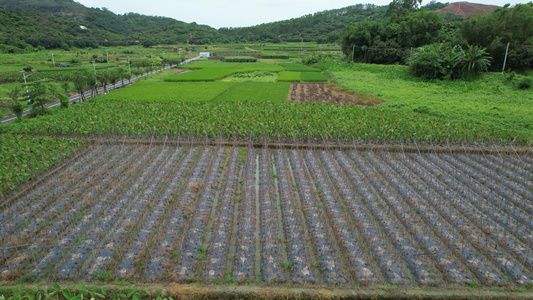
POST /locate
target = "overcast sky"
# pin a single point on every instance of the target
(239, 13)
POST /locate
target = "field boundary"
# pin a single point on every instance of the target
(495, 150)
(185, 291)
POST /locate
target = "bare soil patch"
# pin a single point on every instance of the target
(329, 93)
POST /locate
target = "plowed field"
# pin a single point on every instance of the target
(275, 216)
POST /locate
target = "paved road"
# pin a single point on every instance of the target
(76, 98)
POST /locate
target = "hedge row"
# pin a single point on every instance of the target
(240, 59)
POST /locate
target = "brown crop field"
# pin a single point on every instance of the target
(328, 93)
(275, 216)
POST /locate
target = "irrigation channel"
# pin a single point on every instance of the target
(270, 215)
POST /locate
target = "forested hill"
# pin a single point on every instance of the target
(65, 23)
(28, 24)
(322, 27)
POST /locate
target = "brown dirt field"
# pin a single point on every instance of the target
(327, 93)
(467, 10)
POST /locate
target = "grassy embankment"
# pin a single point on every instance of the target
(491, 101)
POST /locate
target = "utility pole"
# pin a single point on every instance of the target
(53, 60)
(152, 59)
(94, 68)
(129, 66)
(107, 54)
(353, 53)
(505, 60)
(26, 83)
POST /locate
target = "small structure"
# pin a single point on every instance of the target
(204, 54)
(64, 65)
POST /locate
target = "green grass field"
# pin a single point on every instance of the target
(287, 76)
(201, 75)
(241, 67)
(489, 101)
(256, 92)
(298, 68)
(313, 77)
(167, 91)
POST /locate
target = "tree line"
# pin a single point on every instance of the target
(407, 29)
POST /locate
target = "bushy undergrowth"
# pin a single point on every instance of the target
(446, 62)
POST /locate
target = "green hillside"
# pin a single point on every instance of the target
(58, 23)
(322, 27)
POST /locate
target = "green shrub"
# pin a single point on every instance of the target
(275, 57)
(525, 84)
(425, 63)
(446, 62)
(239, 59)
(476, 61)
(64, 100)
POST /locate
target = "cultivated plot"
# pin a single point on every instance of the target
(287, 216)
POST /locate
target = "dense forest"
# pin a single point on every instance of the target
(60, 22)
(322, 27)
(406, 27)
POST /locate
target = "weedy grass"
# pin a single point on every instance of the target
(492, 100)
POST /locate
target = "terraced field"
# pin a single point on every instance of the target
(281, 216)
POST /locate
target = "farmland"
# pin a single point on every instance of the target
(257, 122)
(254, 175)
(24, 157)
(326, 217)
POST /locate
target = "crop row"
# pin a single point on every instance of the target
(279, 216)
(267, 121)
(239, 59)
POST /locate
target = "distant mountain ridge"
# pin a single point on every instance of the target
(66, 23)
